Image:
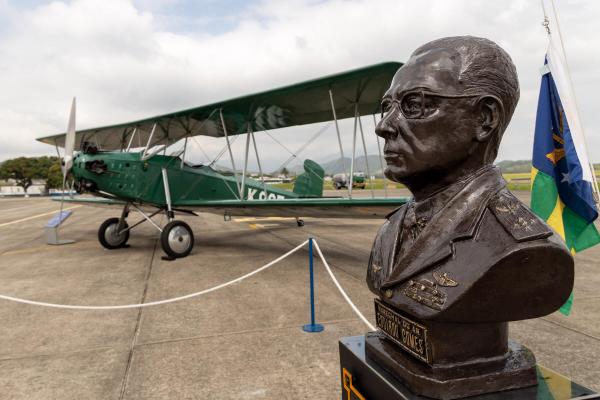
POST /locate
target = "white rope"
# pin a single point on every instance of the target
(205, 291)
(155, 303)
(354, 308)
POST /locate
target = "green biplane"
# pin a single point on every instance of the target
(107, 166)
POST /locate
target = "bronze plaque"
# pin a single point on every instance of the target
(409, 335)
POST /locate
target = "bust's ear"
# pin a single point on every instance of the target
(490, 115)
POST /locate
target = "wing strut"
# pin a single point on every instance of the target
(149, 141)
(351, 178)
(362, 135)
(167, 193)
(183, 154)
(262, 179)
(337, 130)
(246, 162)
(131, 139)
(237, 181)
(57, 151)
(380, 159)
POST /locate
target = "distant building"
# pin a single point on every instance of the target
(269, 180)
(9, 188)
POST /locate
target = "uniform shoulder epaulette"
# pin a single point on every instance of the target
(518, 220)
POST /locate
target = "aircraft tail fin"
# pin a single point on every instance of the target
(310, 183)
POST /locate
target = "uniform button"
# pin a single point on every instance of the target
(388, 293)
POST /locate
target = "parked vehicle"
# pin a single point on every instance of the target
(340, 181)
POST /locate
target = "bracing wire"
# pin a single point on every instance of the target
(305, 145)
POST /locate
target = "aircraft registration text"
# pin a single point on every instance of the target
(255, 194)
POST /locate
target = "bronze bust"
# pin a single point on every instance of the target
(465, 256)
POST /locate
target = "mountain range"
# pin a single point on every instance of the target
(336, 166)
(333, 167)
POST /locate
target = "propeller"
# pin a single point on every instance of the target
(67, 161)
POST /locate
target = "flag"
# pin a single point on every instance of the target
(561, 176)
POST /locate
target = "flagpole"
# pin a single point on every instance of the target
(546, 24)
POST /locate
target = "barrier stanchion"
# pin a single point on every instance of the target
(312, 327)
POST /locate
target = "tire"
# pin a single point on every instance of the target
(177, 239)
(107, 234)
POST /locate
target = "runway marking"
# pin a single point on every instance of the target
(36, 216)
(4, 210)
(260, 226)
(252, 219)
(35, 249)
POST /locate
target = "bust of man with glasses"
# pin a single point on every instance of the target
(465, 255)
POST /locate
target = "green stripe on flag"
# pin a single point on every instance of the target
(579, 234)
(543, 195)
(565, 309)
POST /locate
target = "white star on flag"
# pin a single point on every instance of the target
(566, 178)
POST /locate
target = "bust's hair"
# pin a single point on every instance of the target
(485, 69)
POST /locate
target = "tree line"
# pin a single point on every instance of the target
(23, 170)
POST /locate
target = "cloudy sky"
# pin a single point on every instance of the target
(129, 59)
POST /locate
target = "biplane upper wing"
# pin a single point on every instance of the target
(324, 207)
(302, 103)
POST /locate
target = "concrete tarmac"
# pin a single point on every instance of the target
(244, 341)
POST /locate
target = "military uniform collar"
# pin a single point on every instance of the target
(436, 201)
(457, 219)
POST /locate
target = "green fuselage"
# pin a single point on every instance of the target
(126, 176)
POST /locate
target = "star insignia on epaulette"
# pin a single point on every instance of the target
(517, 219)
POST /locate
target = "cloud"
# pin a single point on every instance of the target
(126, 60)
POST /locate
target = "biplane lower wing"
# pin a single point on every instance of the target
(302, 207)
(323, 207)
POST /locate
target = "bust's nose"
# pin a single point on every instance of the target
(384, 129)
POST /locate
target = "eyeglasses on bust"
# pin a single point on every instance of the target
(418, 103)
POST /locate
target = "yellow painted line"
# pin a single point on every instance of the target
(36, 216)
(260, 226)
(252, 219)
(244, 219)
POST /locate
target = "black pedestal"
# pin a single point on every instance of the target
(513, 370)
(363, 379)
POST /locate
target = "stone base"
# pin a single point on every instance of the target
(514, 370)
(363, 378)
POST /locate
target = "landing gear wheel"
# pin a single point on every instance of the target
(108, 235)
(177, 239)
